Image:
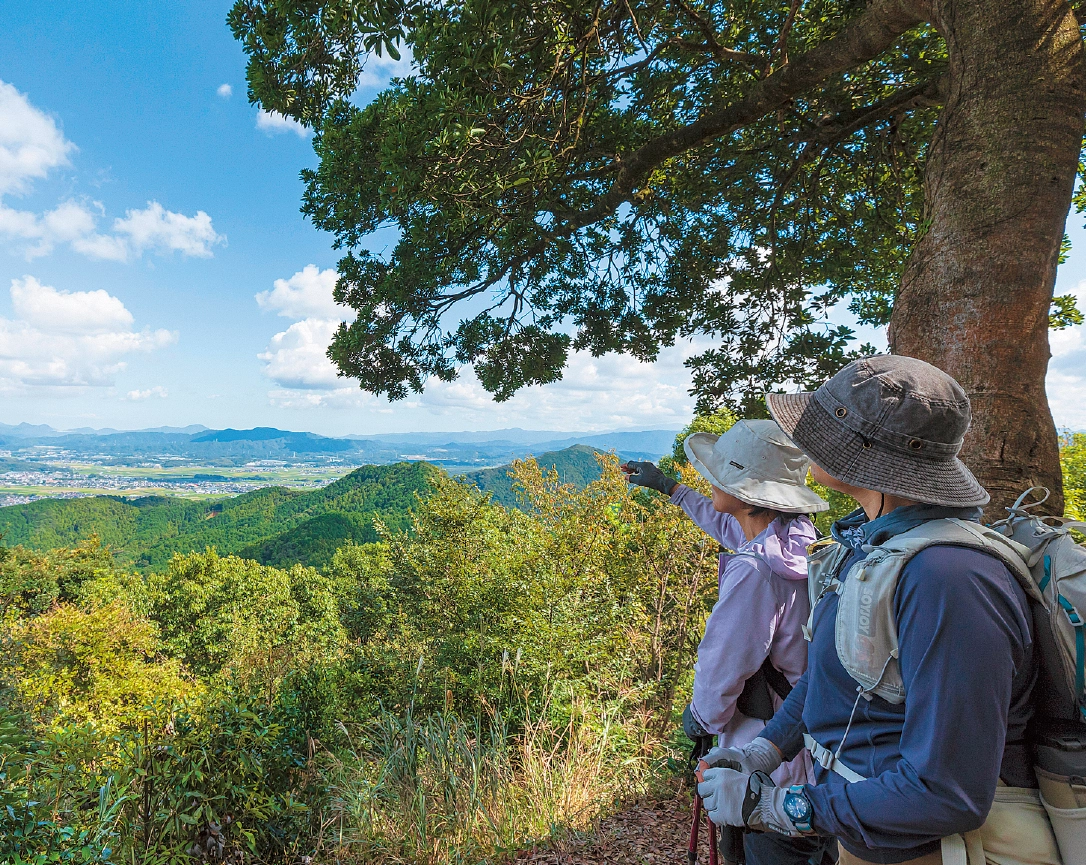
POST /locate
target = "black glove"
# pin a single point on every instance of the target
(645, 474)
(693, 729)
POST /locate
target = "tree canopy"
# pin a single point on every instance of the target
(613, 175)
(606, 176)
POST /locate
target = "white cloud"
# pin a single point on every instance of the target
(596, 393)
(139, 395)
(73, 223)
(68, 339)
(610, 392)
(378, 71)
(272, 123)
(30, 142)
(296, 359)
(31, 146)
(307, 294)
(225, 91)
(163, 230)
(49, 310)
(1066, 381)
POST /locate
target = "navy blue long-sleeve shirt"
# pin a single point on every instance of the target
(932, 763)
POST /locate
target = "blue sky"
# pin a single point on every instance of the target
(155, 268)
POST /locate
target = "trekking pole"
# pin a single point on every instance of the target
(695, 830)
(701, 747)
(712, 840)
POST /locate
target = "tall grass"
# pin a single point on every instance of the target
(440, 789)
(238, 786)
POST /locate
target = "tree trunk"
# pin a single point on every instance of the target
(977, 289)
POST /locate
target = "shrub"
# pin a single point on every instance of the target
(223, 780)
(31, 582)
(1073, 462)
(100, 667)
(226, 779)
(594, 589)
(232, 616)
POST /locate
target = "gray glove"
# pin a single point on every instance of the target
(735, 799)
(646, 474)
(761, 755)
(692, 727)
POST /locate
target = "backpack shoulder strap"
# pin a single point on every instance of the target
(824, 559)
(962, 533)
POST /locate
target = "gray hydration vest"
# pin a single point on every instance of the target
(866, 629)
(1050, 567)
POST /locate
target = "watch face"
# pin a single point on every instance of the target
(797, 807)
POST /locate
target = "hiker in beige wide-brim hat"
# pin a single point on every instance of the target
(758, 464)
(752, 651)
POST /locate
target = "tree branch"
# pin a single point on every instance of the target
(711, 42)
(861, 40)
(781, 49)
(832, 129)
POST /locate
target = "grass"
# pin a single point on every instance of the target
(444, 790)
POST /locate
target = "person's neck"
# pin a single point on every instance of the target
(879, 504)
(753, 526)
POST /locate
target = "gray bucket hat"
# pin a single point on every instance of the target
(756, 463)
(887, 423)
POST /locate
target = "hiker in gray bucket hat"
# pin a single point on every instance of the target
(920, 670)
(752, 650)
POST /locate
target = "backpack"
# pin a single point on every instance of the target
(1058, 567)
(756, 699)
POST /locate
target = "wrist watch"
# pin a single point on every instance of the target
(798, 808)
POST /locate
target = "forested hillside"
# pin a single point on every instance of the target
(575, 465)
(447, 694)
(273, 525)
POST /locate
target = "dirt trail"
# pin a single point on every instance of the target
(649, 833)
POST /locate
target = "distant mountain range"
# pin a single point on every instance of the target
(27, 430)
(274, 525)
(230, 447)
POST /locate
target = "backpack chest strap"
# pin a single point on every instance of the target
(825, 758)
(953, 848)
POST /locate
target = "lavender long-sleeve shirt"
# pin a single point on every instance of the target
(760, 612)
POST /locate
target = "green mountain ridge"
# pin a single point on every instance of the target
(272, 525)
(575, 465)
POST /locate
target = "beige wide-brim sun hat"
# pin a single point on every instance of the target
(758, 464)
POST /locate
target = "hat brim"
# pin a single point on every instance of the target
(776, 495)
(869, 464)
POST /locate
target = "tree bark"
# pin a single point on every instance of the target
(977, 289)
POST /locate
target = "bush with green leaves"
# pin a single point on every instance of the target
(599, 591)
(101, 667)
(235, 617)
(227, 778)
(31, 582)
(1073, 461)
(56, 803)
